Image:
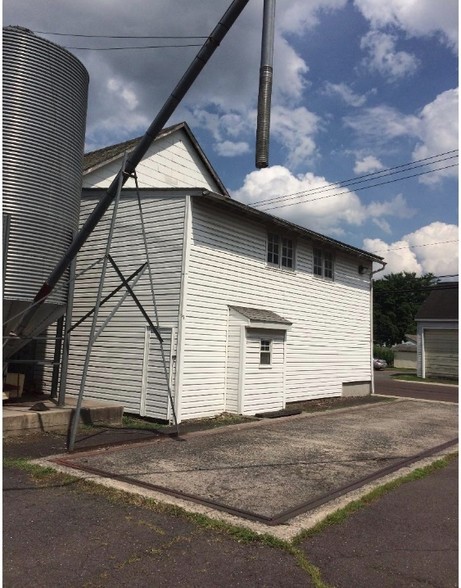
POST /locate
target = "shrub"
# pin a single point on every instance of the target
(385, 353)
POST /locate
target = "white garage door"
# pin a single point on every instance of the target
(441, 352)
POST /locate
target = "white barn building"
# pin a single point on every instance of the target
(254, 311)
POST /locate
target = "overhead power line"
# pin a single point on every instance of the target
(360, 188)
(131, 47)
(416, 246)
(122, 36)
(399, 169)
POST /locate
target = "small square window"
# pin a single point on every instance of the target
(287, 253)
(318, 265)
(265, 352)
(280, 251)
(323, 263)
(273, 249)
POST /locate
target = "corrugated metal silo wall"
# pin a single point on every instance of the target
(45, 92)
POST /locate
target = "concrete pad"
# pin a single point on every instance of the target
(265, 470)
(19, 419)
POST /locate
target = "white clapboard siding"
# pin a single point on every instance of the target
(263, 385)
(116, 366)
(155, 403)
(170, 162)
(234, 360)
(329, 342)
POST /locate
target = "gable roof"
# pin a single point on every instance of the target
(441, 304)
(100, 157)
(260, 315)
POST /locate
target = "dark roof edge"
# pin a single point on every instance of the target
(118, 149)
(264, 216)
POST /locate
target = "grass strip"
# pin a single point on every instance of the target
(342, 514)
(45, 475)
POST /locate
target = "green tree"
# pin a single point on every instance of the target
(396, 300)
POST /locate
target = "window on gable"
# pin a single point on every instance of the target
(265, 352)
(323, 263)
(280, 251)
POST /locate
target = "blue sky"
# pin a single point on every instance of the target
(360, 86)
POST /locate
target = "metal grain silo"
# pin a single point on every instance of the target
(45, 91)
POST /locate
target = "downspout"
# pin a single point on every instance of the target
(371, 324)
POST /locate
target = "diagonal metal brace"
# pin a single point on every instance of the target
(135, 298)
(107, 298)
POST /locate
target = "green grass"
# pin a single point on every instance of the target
(342, 514)
(47, 476)
(414, 378)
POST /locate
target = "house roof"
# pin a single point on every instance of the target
(96, 159)
(284, 225)
(441, 304)
(260, 315)
(244, 210)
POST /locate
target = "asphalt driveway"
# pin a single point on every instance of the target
(273, 470)
(386, 385)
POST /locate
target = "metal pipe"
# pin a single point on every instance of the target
(57, 357)
(78, 407)
(265, 85)
(66, 343)
(202, 57)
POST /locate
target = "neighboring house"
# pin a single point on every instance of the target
(255, 311)
(405, 353)
(437, 332)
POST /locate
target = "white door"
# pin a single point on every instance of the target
(264, 372)
(158, 375)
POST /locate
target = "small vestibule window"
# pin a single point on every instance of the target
(265, 352)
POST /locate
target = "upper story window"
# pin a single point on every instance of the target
(323, 263)
(280, 251)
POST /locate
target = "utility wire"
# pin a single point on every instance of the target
(415, 246)
(133, 47)
(360, 188)
(361, 179)
(122, 36)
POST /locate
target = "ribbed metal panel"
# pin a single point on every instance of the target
(44, 113)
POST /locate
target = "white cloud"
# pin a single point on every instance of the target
(315, 203)
(367, 164)
(382, 124)
(430, 249)
(417, 18)
(383, 225)
(296, 16)
(345, 93)
(126, 94)
(434, 130)
(295, 129)
(398, 256)
(438, 132)
(385, 59)
(230, 149)
(397, 207)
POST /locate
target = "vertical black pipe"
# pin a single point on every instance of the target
(265, 86)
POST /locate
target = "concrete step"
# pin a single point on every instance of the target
(29, 417)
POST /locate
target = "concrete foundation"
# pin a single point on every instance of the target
(31, 417)
(356, 389)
